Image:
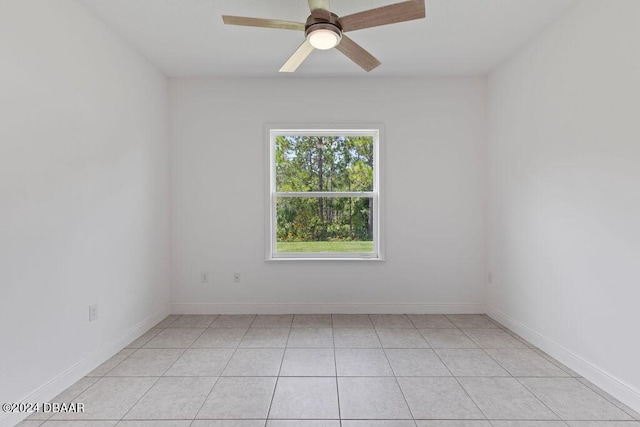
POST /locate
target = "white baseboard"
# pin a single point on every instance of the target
(617, 388)
(64, 380)
(213, 308)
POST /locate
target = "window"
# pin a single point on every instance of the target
(324, 194)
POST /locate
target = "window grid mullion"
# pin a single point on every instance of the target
(335, 194)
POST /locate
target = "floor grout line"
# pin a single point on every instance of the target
(195, 417)
(335, 369)
(275, 387)
(461, 386)
(395, 377)
(516, 379)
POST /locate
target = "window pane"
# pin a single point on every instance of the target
(324, 163)
(324, 224)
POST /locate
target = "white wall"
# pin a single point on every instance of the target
(564, 152)
(83, 193)
(435, 181)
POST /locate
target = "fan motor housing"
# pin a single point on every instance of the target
(323, 26)
(316, 22)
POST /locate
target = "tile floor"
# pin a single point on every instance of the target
(335, 371)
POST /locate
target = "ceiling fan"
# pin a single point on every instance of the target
(325, 30)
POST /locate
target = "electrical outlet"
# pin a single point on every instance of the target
(204, 277)
(236, 277)
(93, 312)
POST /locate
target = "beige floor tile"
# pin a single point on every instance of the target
(305, 398)
(233, 321)
(144, 338)
(200, 362)
(110, 398)
(146, 362)
(308, 362)
(167, 321)
(312, 321)
(356, 338)
(173, 398)
(525, 363)
(154, 423)
(303, 423)
(572, 400)
(111, 363)
(254, 362)
(505, 399)
(430, 321)
(362, 362)
(228, 423)
(372, 399)
(351, 321)
(265, 338)
(239, 398)
(272, 321)
(416, 363)
(453, 423)
(401, 338)
(220, 338)
(447, 338)
(194, 321)
(175, 338)
(438, 398)
(311, 338)
(470, 363)
(391, 321)
(472, 321)
(493, 338)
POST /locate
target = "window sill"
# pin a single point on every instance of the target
(325, 259)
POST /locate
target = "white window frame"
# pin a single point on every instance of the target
(374, 130)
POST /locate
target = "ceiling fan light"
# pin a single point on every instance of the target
(324, 39)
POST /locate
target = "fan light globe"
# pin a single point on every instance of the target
(323, 39)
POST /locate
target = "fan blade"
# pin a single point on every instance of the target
(319, 4)
(297, 58)
(263, 23)
(320, 9)
(357, 54)
(392, 14)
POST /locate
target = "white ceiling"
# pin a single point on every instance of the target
(459, 37)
